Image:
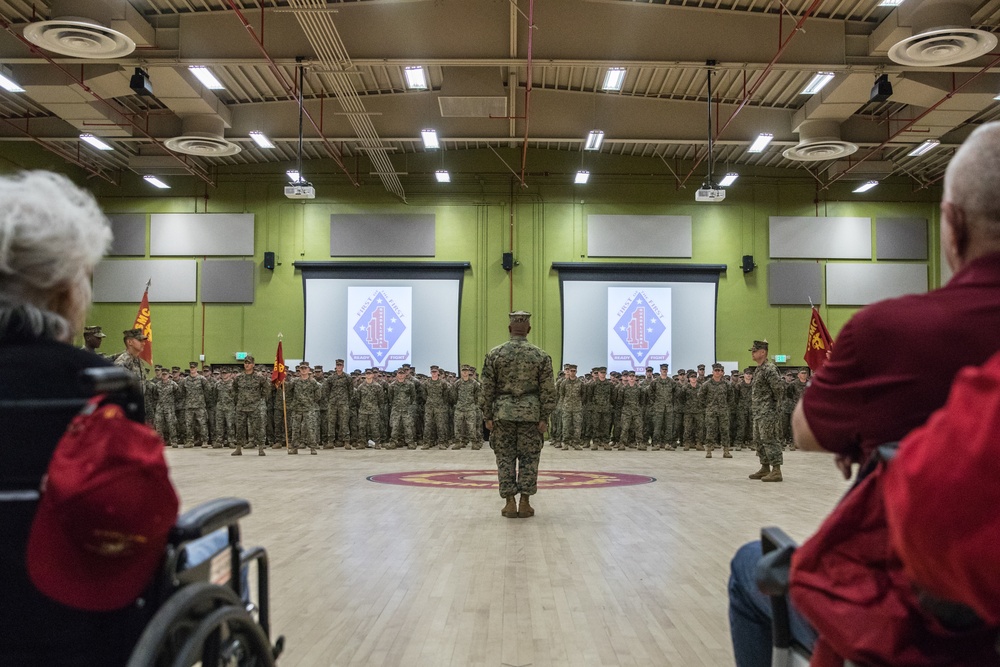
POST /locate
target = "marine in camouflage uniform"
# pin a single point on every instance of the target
(195, 408)
(402, 398)
(225, 408)
(794, 395)
(518, 396)
(601, 407)
(370, 398)
(744, 425)
(716, 395)
(166, 419)
(570, 397)
(630, 404)
(556, 425)
(765, 392)
(435, 394)
(465, 396)
(303, 394)
(661, 407)
(339, 391)
(694, 414)
(250, 394)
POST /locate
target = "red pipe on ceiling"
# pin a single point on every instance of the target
(90, 169)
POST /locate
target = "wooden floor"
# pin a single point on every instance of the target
(373, 574)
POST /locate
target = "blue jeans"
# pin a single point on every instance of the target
(750, 613)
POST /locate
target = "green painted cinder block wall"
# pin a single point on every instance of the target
(476, 217)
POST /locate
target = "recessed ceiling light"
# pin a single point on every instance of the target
(95, 142)
(416, 78)
(581, 177)
(728, 179)
(925, 147)
(865, 187)
(890, 3)
(442, 176)
(261, 139)
(293, 176)
(594, 140)
(7, 81)
(760, 143)
(206, 77)
(153, 180)
(816, 84)
(430, 138)
(614, 78)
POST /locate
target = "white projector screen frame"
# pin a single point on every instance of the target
(434, 292)
(587, 311)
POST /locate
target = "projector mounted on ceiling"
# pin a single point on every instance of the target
(709, 192)
(300, 190)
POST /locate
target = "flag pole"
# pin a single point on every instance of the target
(284, 408)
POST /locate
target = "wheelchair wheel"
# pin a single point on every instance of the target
(202, 624)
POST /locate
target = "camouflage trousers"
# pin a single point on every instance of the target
(401, 425)
(601, 426)
(717, 428)
(694, 426)
(744, 427)
(517, 446)
(196, 419)
(250, 429)
(304, 429)
(572, 424)
(166, 425)
(631, 428)
(765, 439)
(663, 426)
(467, 427)
(369, 428)
(225, 425)
(338, 423)
(435, 424)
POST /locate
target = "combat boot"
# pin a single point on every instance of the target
(763, 472)
(726, 454)
(773, 476)
(293, 450)
(708, 452)
(260, 452)
(478, 446)
(525, 510)
(312, 450)
(510, 509)
(236, 452)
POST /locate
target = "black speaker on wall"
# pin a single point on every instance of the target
(748, 264)
(508, 261)
(269, 261)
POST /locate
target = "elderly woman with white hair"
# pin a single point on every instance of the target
(52, 234)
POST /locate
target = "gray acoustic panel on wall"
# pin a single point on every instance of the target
(901, 238)
(382, 235)
(129, 231)
(639, 236)
(123, 280)
(794, 283)
(820, 238)
(195, 234)
(227, 281)
(862, 284)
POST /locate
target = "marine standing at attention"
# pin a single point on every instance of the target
(518, 395)
(765, 390)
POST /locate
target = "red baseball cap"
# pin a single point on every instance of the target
(941, 495)
(106, 510)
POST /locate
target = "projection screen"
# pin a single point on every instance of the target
(629, 316)
(382, 315)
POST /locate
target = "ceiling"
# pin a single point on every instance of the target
(526, 75)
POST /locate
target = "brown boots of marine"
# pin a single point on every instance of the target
(708, 452)
(773, 476)
(763, 472)
(726, 454)
(525, 510)
(510, 509)
(236, 452)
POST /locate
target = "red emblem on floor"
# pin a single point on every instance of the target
(487, 479)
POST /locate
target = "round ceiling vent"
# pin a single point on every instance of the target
(79, 37)
(820, 149)
(203, 144)
(943, 46)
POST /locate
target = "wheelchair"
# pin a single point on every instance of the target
(199, 605)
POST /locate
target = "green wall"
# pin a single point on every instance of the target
(474, 224)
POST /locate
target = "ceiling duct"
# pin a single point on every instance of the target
(865, 171)
(202, 136)
(95, 29)
(819, 140)
(472, 92)
(940, 35)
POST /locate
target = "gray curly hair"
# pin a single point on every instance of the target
(52, 234)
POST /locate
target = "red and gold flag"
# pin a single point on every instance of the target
(143, 321)
(278, 374)
(819, 343)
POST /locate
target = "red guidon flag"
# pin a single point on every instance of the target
(142, 321)
(278, 374)
(819, 344)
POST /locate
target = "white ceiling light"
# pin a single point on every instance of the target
(153, 180)
(442, 176)
(7, 81)
(728, 179)
(925, 147)
(95, 142)
(581, 177)
(760, 143)
(890, 3)
(206, 77)
(817, 83)
(261, 139)
(996, 98)
(866, 186)
(594, 140)
(293, 176)
(416, 78)
(614, 78)
(430, 138)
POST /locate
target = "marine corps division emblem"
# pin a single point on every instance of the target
(379, 326)
(640, 327)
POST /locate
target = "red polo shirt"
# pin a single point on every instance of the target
(893, 362)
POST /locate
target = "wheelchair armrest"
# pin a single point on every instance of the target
(208, 517)
(774, 566)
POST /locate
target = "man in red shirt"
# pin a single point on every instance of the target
(894, 361)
